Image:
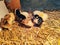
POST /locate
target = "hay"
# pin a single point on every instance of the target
(47, 34)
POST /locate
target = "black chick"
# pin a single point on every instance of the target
(38, 22)
(19, 15)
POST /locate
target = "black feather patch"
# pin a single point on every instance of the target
(19, 15)
(39, 22)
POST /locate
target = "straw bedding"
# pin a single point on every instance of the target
(47, 34)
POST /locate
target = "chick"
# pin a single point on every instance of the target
(43, 15)
(26, 14)
(24, 17)
(37, 20)
(7, 21)
(19, 15)
(10, 18)
(28, 22)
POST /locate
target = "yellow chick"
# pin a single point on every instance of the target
(7, 21)
(10, 18)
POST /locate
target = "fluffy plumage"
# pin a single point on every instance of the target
(28, 22)
(37, 20)
(26, 14)
(43, 15)
(7, 21)
(19, 15)
(10, 18)
(25, 18)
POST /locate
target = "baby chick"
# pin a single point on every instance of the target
(43, 15)
(7, 21)
(20, 16)
(37, 20)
